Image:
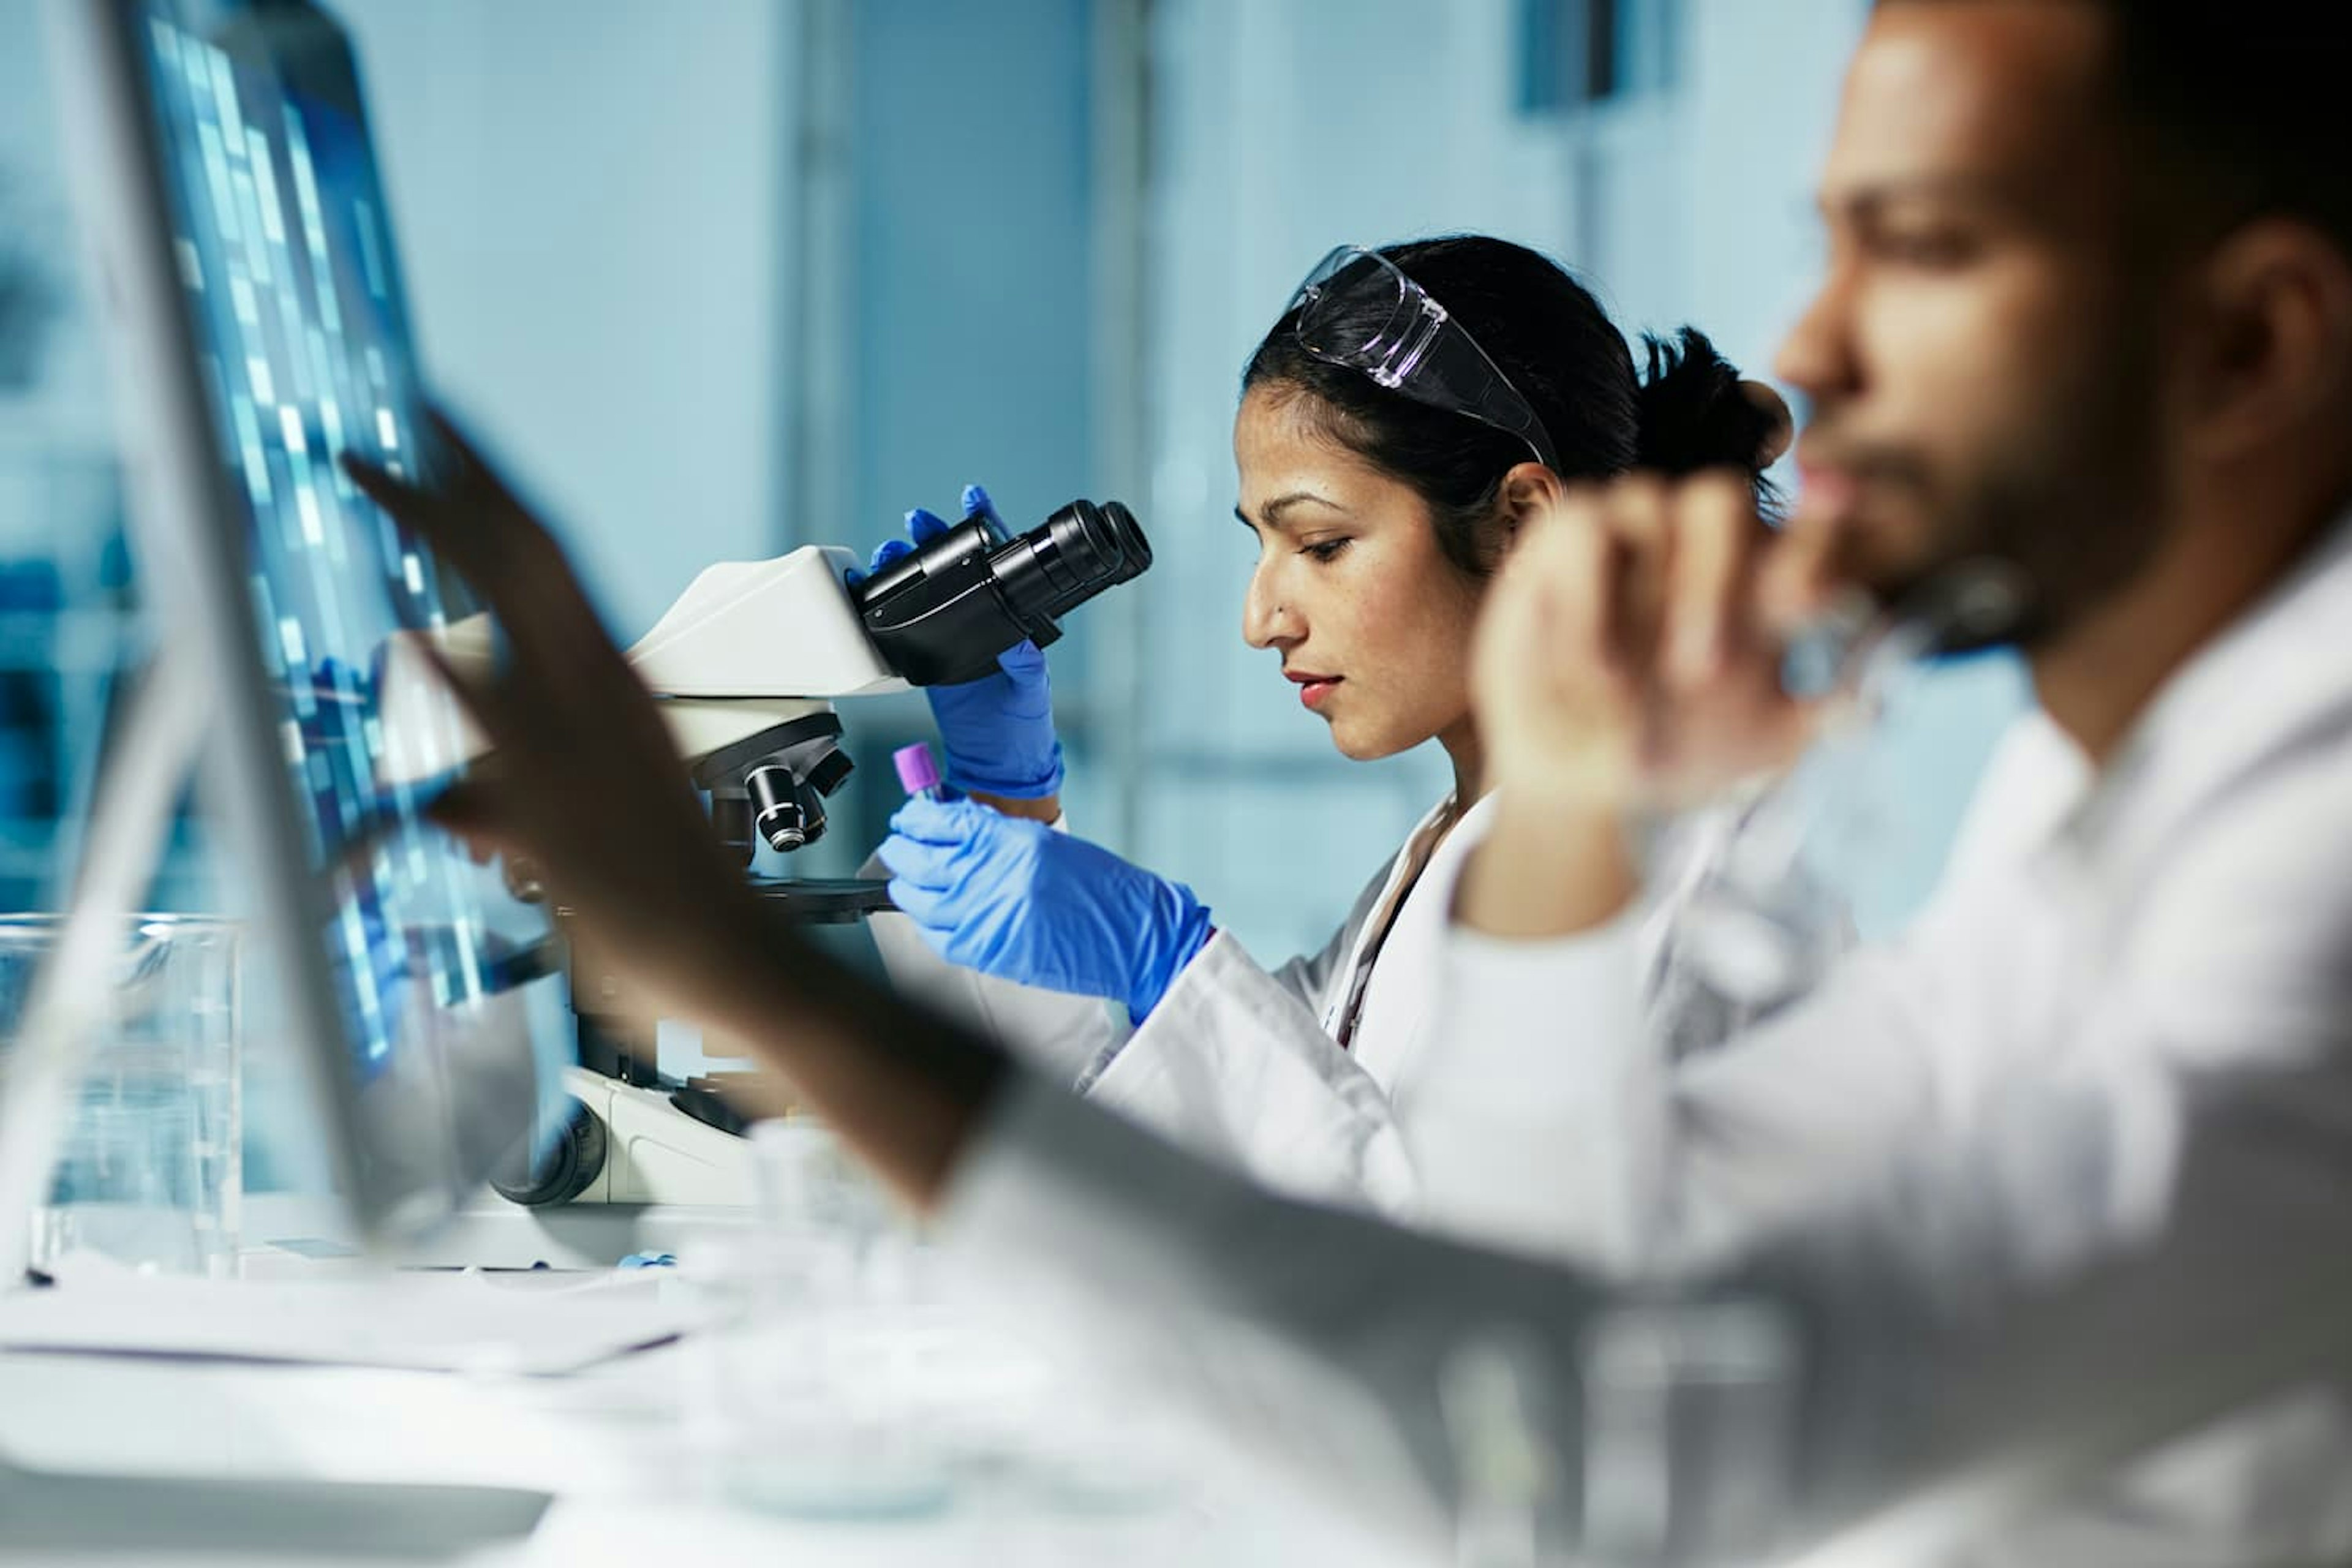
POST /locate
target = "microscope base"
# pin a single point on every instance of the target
(656, 1153)
(667, 1181)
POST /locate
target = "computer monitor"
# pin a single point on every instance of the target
(253, 290)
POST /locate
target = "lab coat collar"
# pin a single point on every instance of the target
(2281, 671)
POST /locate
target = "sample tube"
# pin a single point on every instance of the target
(919, 771)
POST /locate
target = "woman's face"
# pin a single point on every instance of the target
(1371, 621)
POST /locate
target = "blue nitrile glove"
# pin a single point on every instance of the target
(998, 729)
(1012, 897)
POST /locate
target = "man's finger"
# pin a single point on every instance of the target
(1568, 573)
(470, 810)
(395, 496)
(480, 698)
(1799, 580)
(1639, 521)
(355, 856)
(424, 516)
(1635, 507)
(1710, 596)
(468, 515)
(512, 563)
(474, 472)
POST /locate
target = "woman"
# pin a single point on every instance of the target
(1407, 413)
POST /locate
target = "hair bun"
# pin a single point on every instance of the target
(1695, 413)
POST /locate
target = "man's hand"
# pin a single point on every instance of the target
(583, 781)
(1624, 658)
(1627, 661)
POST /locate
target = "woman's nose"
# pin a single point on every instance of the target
(1267, 621)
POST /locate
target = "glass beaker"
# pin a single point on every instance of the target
(814, 1392)
(149, 1167)
(1690, 1430)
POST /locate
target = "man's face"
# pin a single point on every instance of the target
(1980, 357)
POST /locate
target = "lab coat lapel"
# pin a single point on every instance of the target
(1391, 1032)
(1346, 992)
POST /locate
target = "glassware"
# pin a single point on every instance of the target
(1690, 1414)
(1757, 927)
(816, 1346)
(1493, 1394)
(149, 1170)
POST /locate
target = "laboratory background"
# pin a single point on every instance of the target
(724, 279)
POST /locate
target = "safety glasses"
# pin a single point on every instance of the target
(1359, 311)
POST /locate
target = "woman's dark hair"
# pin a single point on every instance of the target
(1550, 338)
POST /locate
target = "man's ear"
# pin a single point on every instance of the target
(2269, 350)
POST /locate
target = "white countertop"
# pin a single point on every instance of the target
(640, 1466)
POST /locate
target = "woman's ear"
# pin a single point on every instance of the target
(1529, 490)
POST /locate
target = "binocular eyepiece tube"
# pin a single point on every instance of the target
(942, 613)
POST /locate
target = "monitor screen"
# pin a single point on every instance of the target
(452, 1021)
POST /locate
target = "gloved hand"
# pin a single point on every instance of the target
(1012, 897)
(998, 729)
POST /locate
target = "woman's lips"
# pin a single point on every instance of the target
(1313, 689)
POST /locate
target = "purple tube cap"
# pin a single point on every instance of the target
(918, 769)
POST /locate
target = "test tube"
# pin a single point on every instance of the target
(919, 771)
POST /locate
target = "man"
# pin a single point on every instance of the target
(2089, 315)
(2087, 333)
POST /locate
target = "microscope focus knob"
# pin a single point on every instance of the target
(563, 1171)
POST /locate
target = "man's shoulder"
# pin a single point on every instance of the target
(2242, 923)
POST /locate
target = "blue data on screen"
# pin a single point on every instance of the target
(284, 249)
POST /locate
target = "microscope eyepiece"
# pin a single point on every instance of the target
(942, 613)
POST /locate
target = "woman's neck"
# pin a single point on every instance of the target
(1469, 759)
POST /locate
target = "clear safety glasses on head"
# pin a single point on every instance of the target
(1359, 311)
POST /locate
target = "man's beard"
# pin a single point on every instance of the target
(2049, 527)
(2072, 529)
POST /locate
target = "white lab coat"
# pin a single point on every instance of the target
(1243, 1063)
(1238, 1061)
(2105, 951)
(2084, 1133)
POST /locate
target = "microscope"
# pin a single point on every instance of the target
(747, 667)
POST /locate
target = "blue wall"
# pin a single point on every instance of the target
(724, 277)
(973, 279)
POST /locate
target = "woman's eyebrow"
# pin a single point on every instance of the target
(1270, 514)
